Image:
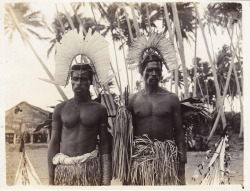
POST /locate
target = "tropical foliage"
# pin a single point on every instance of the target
(115, 20)
(28, 20)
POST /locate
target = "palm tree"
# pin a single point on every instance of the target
(205, 84)
(222, 14)
(149, 14)
(184, 17)
(187, 19)
(181, 48)
(110, 11)
(60, 25)
(19, 18)
(227, 15)
(218, 95)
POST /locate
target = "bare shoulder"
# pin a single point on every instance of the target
(170, 96)
(57, 111)
(99, 110)
(98, 106)
(59, 107)
(131, 100)
(133, 96)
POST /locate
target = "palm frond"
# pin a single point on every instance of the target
(51, 48)
(36, 34)
(34, 23)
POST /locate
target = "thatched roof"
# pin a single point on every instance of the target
(26, 103)
(27, 118)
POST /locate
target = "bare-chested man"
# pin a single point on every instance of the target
(156, 113)
(73, 156)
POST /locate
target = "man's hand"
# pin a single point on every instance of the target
(181, 173)
(51, 181)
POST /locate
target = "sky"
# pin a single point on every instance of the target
(22, 70)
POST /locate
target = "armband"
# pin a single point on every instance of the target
(106, 169)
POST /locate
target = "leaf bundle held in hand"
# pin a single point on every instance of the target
(122, 144)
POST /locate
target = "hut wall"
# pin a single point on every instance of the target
(24, 121)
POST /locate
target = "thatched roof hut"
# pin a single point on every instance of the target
(24, 117)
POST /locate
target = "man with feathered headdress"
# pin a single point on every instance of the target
(159, 151)
(75, 156)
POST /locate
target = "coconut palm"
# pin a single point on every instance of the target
(61, 25)
(205, 84)
(20, 18)
(27, 19)
(184, 20)
(57, 29)
(227, 15)
(110, 13)
(223, 14)
(148, 15)
(186, 13)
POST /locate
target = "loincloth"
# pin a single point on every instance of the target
(82, 170)
(154, 162)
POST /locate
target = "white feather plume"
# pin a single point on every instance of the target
(157, 42)
(94, 47)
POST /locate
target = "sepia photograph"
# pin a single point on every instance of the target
(123, 94)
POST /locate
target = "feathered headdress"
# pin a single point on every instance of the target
(92, 50)
(156, 45)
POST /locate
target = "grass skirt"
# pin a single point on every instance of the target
(154, 162)
(87, 173)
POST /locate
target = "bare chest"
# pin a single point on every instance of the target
(152, 105)
(83, 115)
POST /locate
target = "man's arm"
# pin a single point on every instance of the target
(54, 144)
(131, 107)
(105, 148)
(179, 139)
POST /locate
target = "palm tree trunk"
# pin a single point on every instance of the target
(126, 67)
(182, 54)
(225, 89)
(134, 19)
(219, 100)
(117, 67)
(171, 36)
(128, 23)
(47, 71)
(35, 53)
(237, 84)
(149, 26)
(236, 78)
(200, 88)
(79, 20)
(195, 60)
(94, 16)
(69, 18)
(118, 85)
(117, 82)
(59, 19)
(131, 37)
(237, 81)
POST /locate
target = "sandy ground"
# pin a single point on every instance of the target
(37, 154)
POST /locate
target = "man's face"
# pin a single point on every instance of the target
(81, 82)
(152, 73)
